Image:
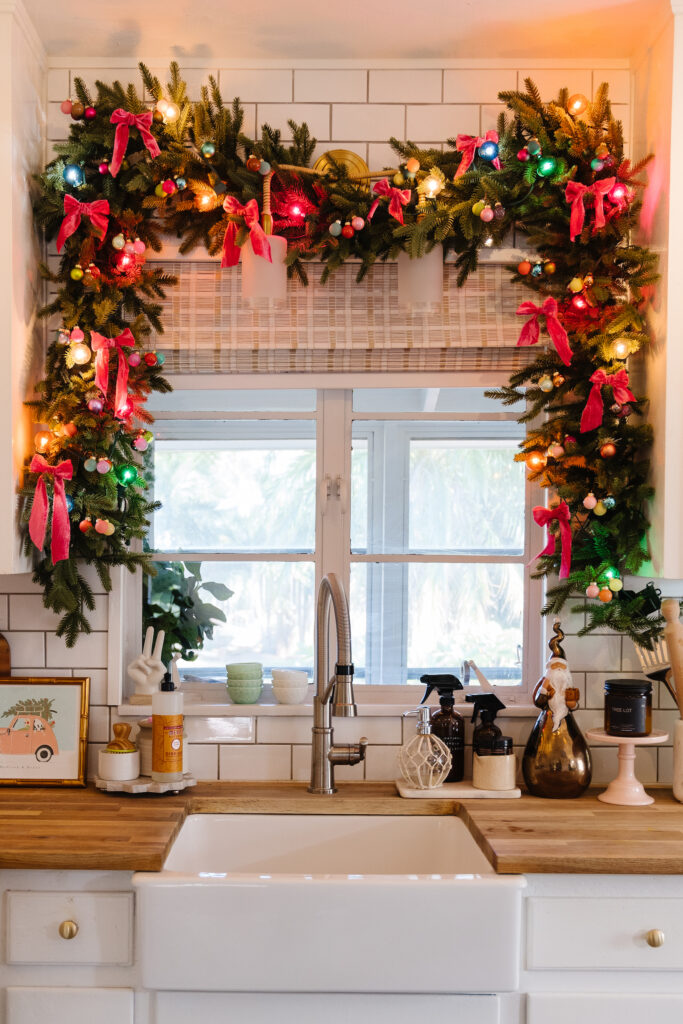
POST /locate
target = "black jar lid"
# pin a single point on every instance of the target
(629, 687)
(502, 745)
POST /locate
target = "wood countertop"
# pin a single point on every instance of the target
(87, 829)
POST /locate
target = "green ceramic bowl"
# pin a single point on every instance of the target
(245, 691)
(245, 670)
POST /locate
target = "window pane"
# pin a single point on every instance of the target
(465, 497)
(369, 400)
(269, 617)
(232, 400)
(359, 494)
(244, 494)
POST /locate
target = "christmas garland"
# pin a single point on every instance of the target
(132, 172)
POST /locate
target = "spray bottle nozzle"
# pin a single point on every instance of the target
(444, 686)
(485, 704)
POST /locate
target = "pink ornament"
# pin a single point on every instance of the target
(569, 439)
(103, 168)
(95, 405)
(169, 187)
(90, 113)
(103, 466)
(134, 359)
(76, 334)
(592, 590)
(139, 246)
(140, 444)
(487, 214)
(104, 527)
(129, 247)
(590, 501)
(65, 106)
(556, 451)
(523, 154)
(357, 223)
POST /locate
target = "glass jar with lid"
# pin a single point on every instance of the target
(628, 707)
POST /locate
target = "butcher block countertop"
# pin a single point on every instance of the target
(87, 829)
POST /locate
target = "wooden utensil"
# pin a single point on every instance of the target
(673, 634)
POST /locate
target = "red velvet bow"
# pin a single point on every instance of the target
(259, 239)
(574, 194)
(398, 198)
(101, 346)
(124, 122)
(593, 411)
(544, 516)
(61, 526)
(74, 210)
(468, 146)
(530, 333)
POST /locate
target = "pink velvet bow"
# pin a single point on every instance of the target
(97, 212)
(259, 239)
(544, 516)
(530, 333)
(124, 122)
(575, 193)
(398, 198)
(468, 146)
(102, 346)
(594, 408)
(61, 526)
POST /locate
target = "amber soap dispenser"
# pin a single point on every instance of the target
(446, 723)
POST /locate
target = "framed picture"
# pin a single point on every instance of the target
(43, 731)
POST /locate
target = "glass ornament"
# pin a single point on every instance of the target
(545, 384)
(592, 590)
(488, 150)
(150, 358)
(537, 270)
(65, 106)
(596, 164)
(104, 527)
(264, 168)
(77, 110)
(161, 358)
(80, 353)
(103, 167)
(486, 214)
(335, 228)
(556, 451)
(74, 175)
(103, 466)
(134, 359)
(609, 502)
(95, 405)
(76, 273)
(590, 501)
(90, 464)
(576, 284)
(129, 247)
(207, 150)
(347, 231)
(499, 211)
(546, 167)
(85, 525)
(357, 223)
(615, 585)
(523, 155)
(139, 247)
(605, 595)
(69, 503)
(412, 165)
(524, 268)
(549, 268)
(63, 338)
(608, 450)
(90, 113)
(253, 163)
(118, 242)
(169, 187)
(77, 334)
(140, 444)
(599, 509)
(159, 191)
(558, 381)
(181, 184)
(534, 147)
(478, 207)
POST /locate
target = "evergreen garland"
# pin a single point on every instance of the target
(333, 216)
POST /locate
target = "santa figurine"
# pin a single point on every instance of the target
(556, 760)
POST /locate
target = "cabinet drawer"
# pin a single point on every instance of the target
(104, 921)
(69, 1005)
(603, 1008)
(603, 934)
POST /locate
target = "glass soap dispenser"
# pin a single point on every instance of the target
(424, 760)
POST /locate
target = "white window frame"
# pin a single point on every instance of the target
(334, 419)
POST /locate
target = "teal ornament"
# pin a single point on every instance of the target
(537, 270)
(90, 464)
(208, 150)
(264, 168)
(180, 184)
(534, 147)
(335, 228)
(74, 174)
(161, 358)
(609, 502)
(597, 164)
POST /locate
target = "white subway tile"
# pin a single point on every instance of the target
(92, 759)
(605, 766)
(665, 698)
(375, 122)
(589, 718)
(40, 673)
(220, 730)
(630, 662)
(550, 82)
(284, 730)
(376, 730)
(258, 762)
(27, 611)
(316, 116)
(50, 155)
(57, 85)
(260, 85)
(57, 125)
(666, 720)
(441, 121)
(619, 81)
(330, 85)
(600, 652)
(399, 86)
(381, 763)
(98, 683)
(571, 622)
(470, 85)
(98, 725)
(4, 612)
(301, 767)
(380, 155)
(19, 583)
(26, 649)
(89, 573)
(90, 649)
(490, 113)
(665, 765)
(194, 78)
(202, 760)
(249, 122)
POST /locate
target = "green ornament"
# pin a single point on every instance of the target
(126, 474)
(534, 147)
(546, 167)
(478, 208)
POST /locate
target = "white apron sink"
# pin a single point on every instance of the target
(327, 903)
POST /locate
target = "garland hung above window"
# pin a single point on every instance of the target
(132, 172)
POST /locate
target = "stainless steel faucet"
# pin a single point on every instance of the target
(336, 696)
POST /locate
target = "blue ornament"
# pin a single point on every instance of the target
(536, 270)
(74, 174)
(335, 228)
(180, 184)
(264, 168)
(208, 150)
(609, 502)
(488, 150)
(69, 502)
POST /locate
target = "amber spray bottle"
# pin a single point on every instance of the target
(446, 723)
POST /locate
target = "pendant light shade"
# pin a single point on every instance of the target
(264, 284)
(420, 281)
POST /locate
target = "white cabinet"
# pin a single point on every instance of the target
(69, 928)
(69, 1005)
(603, 1008)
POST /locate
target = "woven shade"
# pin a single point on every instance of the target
(340, 326)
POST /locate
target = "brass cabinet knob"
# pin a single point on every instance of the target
(69, 929)
(655, 937)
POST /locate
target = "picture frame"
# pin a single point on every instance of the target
(43, 730)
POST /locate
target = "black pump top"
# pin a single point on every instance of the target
(444, 686)
(167, 683)
(485, 704)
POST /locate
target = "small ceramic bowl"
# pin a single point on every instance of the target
(245, 691)
(290, 694)
(244, 670)
(118, 765)
(289, 677)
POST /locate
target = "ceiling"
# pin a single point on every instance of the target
(300, 29)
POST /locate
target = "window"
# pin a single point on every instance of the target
(411, 495)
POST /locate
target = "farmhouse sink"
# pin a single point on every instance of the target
(327, 903)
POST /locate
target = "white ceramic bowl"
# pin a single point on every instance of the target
(289, 677)
(118, 766)
(290, 694)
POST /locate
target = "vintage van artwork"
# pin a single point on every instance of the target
(43, 731)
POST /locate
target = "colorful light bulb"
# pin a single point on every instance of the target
(546, 167)
(577, 104)
(80, 353)
(620, 348)
(42, 440)
(171, 113)
(535, 461)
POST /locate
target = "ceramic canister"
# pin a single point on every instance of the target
(118, 765)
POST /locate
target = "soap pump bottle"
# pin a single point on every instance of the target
(424, 760)
(486, 732)
(446, 723)
(167, 732)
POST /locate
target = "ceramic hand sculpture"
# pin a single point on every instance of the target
(147, 670)
(556, 759)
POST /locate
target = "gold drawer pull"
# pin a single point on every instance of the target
(655, 937)
(69, 930)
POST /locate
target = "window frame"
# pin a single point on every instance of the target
(334, 418)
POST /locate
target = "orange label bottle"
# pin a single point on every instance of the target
(167, 733)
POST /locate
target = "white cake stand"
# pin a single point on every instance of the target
(625, 789)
